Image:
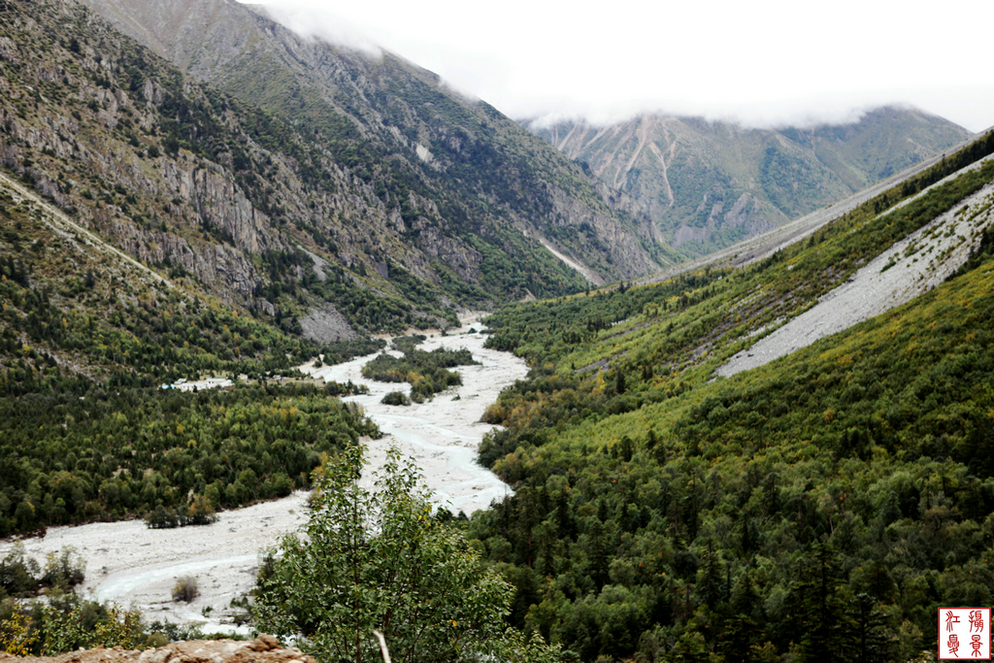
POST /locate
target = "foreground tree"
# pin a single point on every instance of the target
(377, 559)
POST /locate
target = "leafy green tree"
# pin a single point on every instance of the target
(378, 559)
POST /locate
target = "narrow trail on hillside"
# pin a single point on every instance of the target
(73, 232)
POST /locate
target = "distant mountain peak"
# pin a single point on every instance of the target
(710, 183)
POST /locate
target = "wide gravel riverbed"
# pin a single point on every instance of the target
(132, 565)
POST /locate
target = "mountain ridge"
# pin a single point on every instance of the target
(436, 138)
(709, 183)
(238, 201)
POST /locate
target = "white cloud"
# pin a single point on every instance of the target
(764, 62)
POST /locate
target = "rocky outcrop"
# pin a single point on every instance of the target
(747, 215)
(326, 325)
(603, 245)
(223, 268)
(264, 649)
(222, 207)
(463, 259)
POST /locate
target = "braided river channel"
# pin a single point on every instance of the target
(132, 565)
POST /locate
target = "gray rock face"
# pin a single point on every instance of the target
(456, 151)
(326, 324)
(606, 247)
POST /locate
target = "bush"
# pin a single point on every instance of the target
(199, 511)
(18, 573)
(64, 570)
(66, 622)
(185, 589)
(396, 398)
(161, 518)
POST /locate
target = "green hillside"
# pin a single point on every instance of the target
(88, 338)
(157, 227)
(820, 507)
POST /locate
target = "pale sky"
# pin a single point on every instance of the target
(760, 63)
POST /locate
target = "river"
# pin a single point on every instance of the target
(132, 565)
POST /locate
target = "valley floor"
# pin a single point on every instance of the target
(129, 564)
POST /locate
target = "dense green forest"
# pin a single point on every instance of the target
(818, 508)
(71, 456)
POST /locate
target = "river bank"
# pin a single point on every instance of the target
(132, 565)
(443, 434)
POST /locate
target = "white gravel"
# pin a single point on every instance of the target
(918, 263)
(130, 564)
(442, 435)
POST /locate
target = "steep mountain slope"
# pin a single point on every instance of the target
(406, 134)
(77, 308)
(88, 336)
(710, 184)
(330, 237)
(237, 203)
(663, 512)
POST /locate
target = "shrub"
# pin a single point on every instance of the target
(185, 589)
(200, 512)
(63, 570)
(18, 573)
(396, 398)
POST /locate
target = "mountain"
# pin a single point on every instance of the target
(674, 497)
(326, 229)
(455, 170)
(708, 184)
(786, 457)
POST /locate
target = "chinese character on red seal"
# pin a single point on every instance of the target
(964, 625)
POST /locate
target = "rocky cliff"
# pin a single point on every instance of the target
(233, 200)
(480, 174)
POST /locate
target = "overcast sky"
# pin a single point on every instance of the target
(761, 63)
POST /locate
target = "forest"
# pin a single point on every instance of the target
(821, 507)
(78, 457)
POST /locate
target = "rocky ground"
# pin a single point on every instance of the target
(442, 435)
(132, 565)
(911, 267)
(264, 649)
